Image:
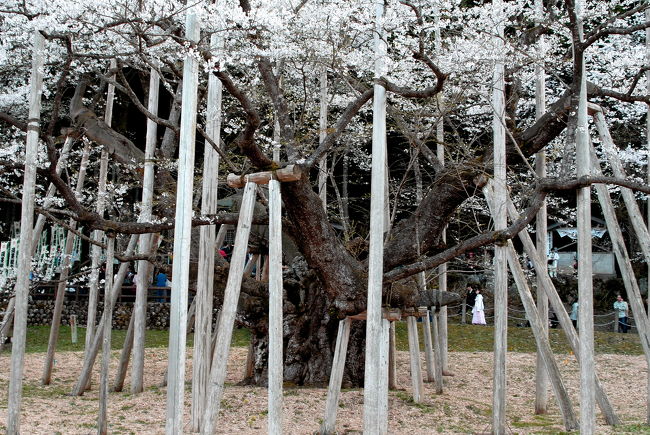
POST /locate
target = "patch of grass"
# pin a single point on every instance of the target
(466, 338)
(241, 337)
(407, 398)
(633, 428)
(38, 337)
(474, 338)
(35, 389)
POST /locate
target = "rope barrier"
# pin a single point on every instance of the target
(604, 324)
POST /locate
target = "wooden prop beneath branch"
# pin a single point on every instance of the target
(288, 173)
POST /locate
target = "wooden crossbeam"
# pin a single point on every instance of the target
(288, 173)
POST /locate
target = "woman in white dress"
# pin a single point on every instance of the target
(478, 312)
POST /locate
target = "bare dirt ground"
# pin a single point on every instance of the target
(465, 406)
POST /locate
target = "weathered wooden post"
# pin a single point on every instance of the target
(73, 328)
(100, 206)
(322, 134)
(442, 269)
(125, 355)
(647, 119)
(428, 348)
(26, 224)
(500, 223)
(91, 355)
(275, 368)
(207, 247)
(414, 354)
(102, 423)
(336, 377)
(228, 311)
(537, 322)
(611, 154)
(392, 353)
(463, 312)
(438, 379)
(567, 326)
(629, 279)
(144, 267)
(541, 226)
(583, 212)
(65, 270)
(375, 404)
(182, 235)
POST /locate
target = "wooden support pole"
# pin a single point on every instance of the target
(125, 355)
(265, 268)
(221, 235)
(73, 328)
(322, 135)
(7, 321)
(336, 377)
(91, 354)
(414, 353)
(635, 215)
(258, 269)
(375, 403)
(228, 311)
(625, 265)
(274, 259)
(567, 326)
(428, 348)
(250, 264)
(647, 128)
(499, 214)
(207, 247)
(276, 119)
(392, 354)
(442, 269)
(145, 269)
(585, 266)
(541, 224)
(541, 339)
(26, 224)
(182, 236)
(463, 312)
(382, 389)
(537, 322)
(63, 279)
(97, 235)
(288, 173)
(438, 379)
(102, 419)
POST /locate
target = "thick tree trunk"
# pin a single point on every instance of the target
(310, 328)
(325, 287)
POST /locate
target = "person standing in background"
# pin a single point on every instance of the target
(470, 297)
(553, 258)
(478, 312)
(621, 306)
